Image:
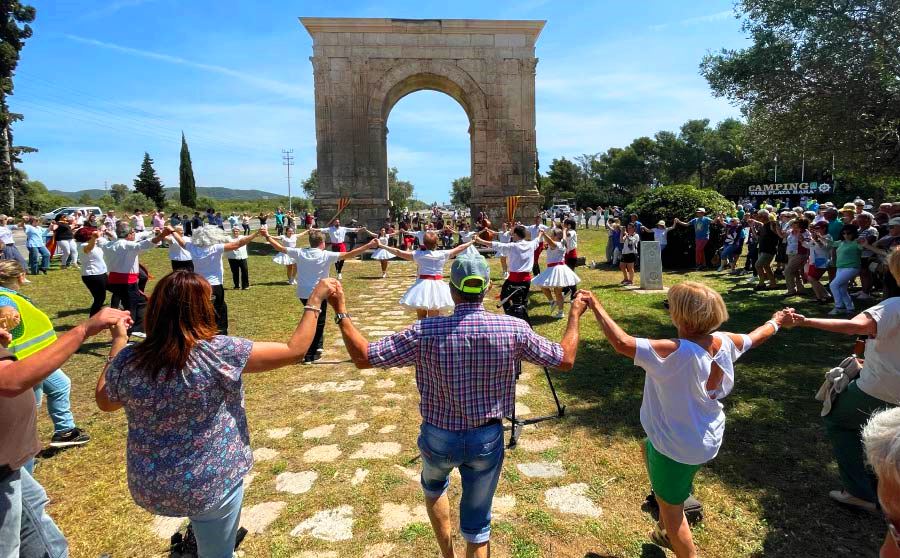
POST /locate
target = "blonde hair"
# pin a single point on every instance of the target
(696, 308)
(893, 262)
(10, 271)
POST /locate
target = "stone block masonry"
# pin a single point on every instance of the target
(362, 67)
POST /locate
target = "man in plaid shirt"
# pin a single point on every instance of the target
(466, 369)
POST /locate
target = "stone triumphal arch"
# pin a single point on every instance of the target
(362, 67)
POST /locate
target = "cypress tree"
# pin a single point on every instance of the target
(187, 188)
(148, 183)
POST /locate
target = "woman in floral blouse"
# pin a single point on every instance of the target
(182, 390)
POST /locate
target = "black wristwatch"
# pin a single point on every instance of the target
(339, 317)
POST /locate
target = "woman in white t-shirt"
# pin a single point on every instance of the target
(178, 256)
(877, 387)
(429, 294)
(630, 243)
(93, 266)
(381, 254)
(206, 247)
(557, 276)
(685, 380)
(288, 240)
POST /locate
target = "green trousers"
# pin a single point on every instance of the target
(843, 424)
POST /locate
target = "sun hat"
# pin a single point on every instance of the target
(465, 269)
(661, 222)
(700, 210)
(848, 207)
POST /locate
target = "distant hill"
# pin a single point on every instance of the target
(214, 192)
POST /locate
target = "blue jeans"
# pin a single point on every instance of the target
(25, 528)
(38, 256)
(478, 453)
(58, 387)
(216, 529)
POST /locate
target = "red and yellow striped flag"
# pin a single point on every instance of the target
(512, 202)
(342, 204)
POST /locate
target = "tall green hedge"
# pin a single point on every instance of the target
(668, 202)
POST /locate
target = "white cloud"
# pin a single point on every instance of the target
(286, 89)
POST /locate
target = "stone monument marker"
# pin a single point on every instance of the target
(651, 266)
(362, 67)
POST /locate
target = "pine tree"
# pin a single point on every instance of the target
(148, 183)
(12, 39)
(187, 188)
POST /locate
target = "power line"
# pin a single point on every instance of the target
(287, 158)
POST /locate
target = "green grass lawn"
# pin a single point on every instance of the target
(765, 494)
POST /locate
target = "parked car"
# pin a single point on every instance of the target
(69, 210)
(560, 208)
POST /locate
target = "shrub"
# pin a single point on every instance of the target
(682, 201)
(669, 202)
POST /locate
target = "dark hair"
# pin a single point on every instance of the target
(852, 229)
(570, 223)
(468, 297)
(179, 315)
(802, 222)
(519, 230)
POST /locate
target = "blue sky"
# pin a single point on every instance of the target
(103, 81)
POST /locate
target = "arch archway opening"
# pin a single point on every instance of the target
(430, 131)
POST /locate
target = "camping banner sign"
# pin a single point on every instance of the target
(789, 189)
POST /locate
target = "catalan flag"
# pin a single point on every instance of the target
(342, 204)
(512, 202)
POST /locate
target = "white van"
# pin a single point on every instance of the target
(86, 210)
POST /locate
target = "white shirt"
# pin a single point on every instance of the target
(312, 264)
(630, 243)
(683, 420)
(556, 255)
(504, 236)
(288, 242)
(92, 263)
(138, 222)
(466, 236)
(122, 255)
(207, 261)
(177, 253)
(430, 262)
(880, 376)
(6, 236)
(572, 240)
(239, 254)
(519, 255)
(336, 235)
(534, 231)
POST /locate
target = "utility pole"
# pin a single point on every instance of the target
(287, 159)
(776, 168)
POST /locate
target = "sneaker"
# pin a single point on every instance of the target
(845, 498)
(340, 276)
(305, 362)
(558, 315)
(139, 334)
(835, 311)
(245, 288)
(384, 275)
(74, 437)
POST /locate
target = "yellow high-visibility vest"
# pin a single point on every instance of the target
(34, 332)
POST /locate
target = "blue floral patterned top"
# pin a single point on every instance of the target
(188, 443)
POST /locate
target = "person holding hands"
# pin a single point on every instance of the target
(686, 379)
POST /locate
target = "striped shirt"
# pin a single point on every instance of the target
(466, 364)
